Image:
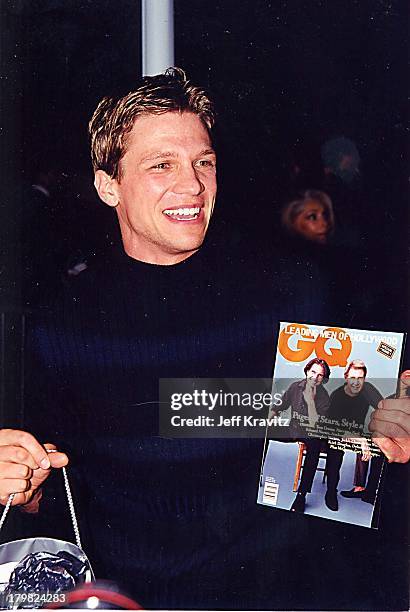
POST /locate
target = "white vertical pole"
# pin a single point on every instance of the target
(157, 25)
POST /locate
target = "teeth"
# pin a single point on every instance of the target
(182, 212)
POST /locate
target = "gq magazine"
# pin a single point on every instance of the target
(318, 455)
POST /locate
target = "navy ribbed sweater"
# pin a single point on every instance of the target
(174, 521)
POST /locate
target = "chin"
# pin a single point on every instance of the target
(189, 244)
(320, 240)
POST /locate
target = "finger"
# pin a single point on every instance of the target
(15, 470)
(402, 405)
(404, 444)
(387, 429)
(17, 454)
(57, 458)
(389, 447)
(392, 416)
(13, 485)
(18, 499)
(16, 437)
(404, 383)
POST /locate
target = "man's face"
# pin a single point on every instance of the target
(167, 188)
(354, 381)
(315, 375)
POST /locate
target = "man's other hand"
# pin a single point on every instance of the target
(24, 465)
(390, 424)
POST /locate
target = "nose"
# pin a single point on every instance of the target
(322, 225)
(187, 181)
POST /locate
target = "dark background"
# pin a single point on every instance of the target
(286, 76)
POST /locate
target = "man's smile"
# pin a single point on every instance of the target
(183, 213)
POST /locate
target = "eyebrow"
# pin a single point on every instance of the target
(170, 154)
(208, 151)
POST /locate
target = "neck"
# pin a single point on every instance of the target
(153, 255)
(159, 260)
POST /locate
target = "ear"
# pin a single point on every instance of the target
(107, 188)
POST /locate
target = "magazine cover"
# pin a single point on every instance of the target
(318, 455)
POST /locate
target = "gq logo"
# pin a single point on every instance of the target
(309, 342)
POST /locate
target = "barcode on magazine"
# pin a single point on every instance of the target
(270, 492)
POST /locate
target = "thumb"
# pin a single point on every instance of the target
(57, 459)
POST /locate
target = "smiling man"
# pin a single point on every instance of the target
(351, 402)
(164, 185)
(174, 521)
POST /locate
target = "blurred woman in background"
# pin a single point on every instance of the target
(309, 216)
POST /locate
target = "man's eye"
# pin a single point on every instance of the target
(311, 217)
(206, 163)
(161, 166)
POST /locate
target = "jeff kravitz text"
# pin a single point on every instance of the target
(236, 420)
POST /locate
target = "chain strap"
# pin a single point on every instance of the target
(6, 509)
(71, 509)
(70, 506)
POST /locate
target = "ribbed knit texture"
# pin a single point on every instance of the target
(174, 521)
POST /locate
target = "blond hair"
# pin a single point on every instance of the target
(114, 118)
(293, 208)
